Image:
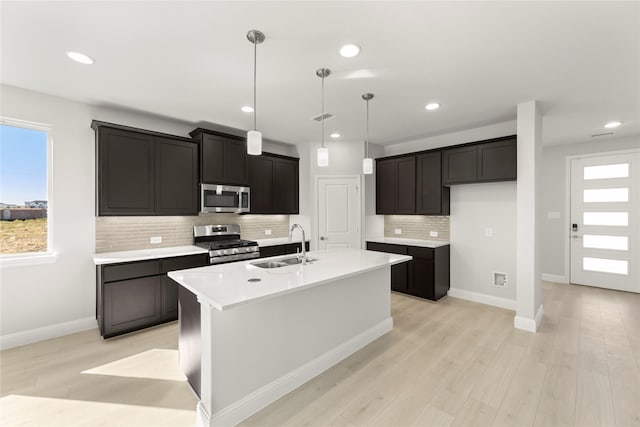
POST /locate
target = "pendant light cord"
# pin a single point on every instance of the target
(322, 112)
(366, 146)
(255, 61)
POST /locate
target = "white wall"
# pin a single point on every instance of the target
(41, 301)
(373, 224)
(554, 198)
(475, 256)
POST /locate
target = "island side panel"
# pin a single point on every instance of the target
(265, 349)
(189, 347)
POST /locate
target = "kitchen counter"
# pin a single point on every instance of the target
(243, 345)
(143, 254)
(277, 241)
(408, 242)
(227, 285)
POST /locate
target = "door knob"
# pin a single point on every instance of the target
(323, 238)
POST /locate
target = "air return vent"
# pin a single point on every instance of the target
(326, 116)
(598, 134)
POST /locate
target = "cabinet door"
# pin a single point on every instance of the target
(406, 189)
(285, 186)
(399, 272)
(169, 299)
(386, 186)
(235, 163)
(497, 161)
(125, 172)
(421, 281)
(176, 177)
(431, 197)
(261, 170)
(132, 304)
(212, 159)
(460, 165)
(269, 251)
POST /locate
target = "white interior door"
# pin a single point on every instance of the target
(338, 212)
(605, 240)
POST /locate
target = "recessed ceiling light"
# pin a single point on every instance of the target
(335, 135)
(613, 124)
(432, 106)
(80, 57)
(247, 109)
(349, 50)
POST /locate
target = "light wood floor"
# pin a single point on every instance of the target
(447, 363)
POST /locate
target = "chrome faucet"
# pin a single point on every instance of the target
(304, 239)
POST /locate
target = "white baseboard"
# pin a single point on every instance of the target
(483, 298)
(259, 399)
(530, 325)
(555, 278)
(46, 332)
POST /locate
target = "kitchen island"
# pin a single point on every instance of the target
(259, 333)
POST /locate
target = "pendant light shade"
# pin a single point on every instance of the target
(254, 138)
(367, 166)
(254, 142)
(323, 152)
(323, 157)
(367, 162)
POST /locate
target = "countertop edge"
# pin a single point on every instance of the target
(407, 242)
(138, 255)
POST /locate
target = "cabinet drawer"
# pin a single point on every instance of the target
(183, 262)
(422, 253)
(112, 273)
(387, 247)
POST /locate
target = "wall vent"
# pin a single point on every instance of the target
(598, 134)
(500, 279)
(327, 116)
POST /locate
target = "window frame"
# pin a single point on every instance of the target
(49, 256)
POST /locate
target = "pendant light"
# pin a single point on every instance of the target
(367, 162)
(254, 137)
(323, 152)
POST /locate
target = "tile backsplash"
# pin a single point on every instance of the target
(123, 233)
(417, 227)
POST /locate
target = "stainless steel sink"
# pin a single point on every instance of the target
(283, 262)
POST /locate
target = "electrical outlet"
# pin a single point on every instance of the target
(267, 232)
(155, 240)
(433, 234)
(398, 231)
(500, 279)
(488, 232)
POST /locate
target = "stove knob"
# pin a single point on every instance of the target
(235, 251)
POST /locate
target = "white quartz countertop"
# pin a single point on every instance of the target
(408, 242)
(226, 286)
(276, 241)
(142, 254)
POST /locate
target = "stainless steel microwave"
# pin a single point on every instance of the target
(224, 198)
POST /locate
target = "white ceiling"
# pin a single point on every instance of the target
(192, 61)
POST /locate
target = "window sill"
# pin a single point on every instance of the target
(27, 259)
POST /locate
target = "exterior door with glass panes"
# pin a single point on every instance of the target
(605, 211)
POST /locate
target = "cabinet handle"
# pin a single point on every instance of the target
(323, 238)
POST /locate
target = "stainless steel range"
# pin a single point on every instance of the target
(224, 243)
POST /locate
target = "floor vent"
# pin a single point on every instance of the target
(326, 116)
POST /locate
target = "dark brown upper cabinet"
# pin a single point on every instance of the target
(484, 161)
(223, 158)
(431, 197)
(143, 172)
(396, 185)
(274, 183)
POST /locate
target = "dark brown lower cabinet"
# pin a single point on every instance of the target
(135, 295)
(286, 249)
(425, 276)
(189, 332)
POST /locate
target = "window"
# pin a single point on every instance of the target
(25, 150)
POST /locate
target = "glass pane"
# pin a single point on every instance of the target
(606, 171)
(23, 190)
(605, 265)
(606, 195)
(606, 218)
(620, 243)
